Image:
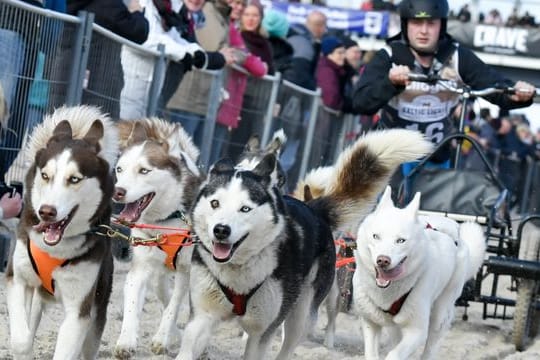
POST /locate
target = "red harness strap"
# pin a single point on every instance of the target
(396, 305)
(44, 265)
(239, 301)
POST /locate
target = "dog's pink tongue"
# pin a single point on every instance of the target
(389, 275)
(130, 212)
(221, 251)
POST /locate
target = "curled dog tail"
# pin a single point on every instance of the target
(472, 236)
(361, 172)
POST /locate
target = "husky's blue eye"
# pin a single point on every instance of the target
(376, 236)
(74, 179)
(400, 240)
(214, 204)
(44, 176)
(245, 209)
(118, 169)
(144, 171)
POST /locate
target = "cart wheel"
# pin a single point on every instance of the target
(525, 313)
(526, 317)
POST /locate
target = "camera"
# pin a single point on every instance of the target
(12, 188)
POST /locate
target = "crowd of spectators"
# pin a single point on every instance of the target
(494, 17)
(507, 140)
(249, 42)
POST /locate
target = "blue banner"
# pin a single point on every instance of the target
(362, 22)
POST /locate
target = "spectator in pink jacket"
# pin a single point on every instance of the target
(228, 115)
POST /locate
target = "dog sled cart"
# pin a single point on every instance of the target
(510, 276)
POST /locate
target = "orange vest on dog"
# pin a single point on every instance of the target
(44, 265)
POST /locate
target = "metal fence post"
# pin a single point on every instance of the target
(310, 132)
(80, 59)
(158, 77)
(269, 117)
(211, 115)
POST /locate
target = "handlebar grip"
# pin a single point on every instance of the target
(419, 77)
(424, 78)
(512, 91)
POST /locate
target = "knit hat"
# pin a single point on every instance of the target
(329, 44)
(276, 23)
(348, 42)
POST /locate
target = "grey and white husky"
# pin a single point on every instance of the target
(267, 259)
(59, 254)
(156, 182)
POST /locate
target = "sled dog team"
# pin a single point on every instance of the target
(262, 258)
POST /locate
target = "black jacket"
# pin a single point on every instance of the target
(114, 16)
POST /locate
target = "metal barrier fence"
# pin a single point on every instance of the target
(530, 200)
(51, 59)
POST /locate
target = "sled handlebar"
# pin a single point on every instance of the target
(465, 90)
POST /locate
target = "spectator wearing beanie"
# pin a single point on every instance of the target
(330, 76)
(275, 23)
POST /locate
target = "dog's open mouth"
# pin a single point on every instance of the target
(132, 211)
(223, 251)
(383, 277)
(54, 231)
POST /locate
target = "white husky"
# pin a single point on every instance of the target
(156, 180)
(410, 271)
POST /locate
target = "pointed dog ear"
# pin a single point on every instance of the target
(266, 166)
(138, 134)
(190, 164)
(63, 130)
(414, 205)
(222, 166)
(95, 133)
(386, 199)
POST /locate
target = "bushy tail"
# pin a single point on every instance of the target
(472, 236)
(362, 171)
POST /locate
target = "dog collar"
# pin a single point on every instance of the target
(239, 301)
(44, 265)
(396, 305)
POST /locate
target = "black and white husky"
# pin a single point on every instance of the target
(266, 259)
(156, 181)
(59, 254)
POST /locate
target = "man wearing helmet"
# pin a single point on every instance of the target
(423, 46)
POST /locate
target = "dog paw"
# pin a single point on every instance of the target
(124, 353)
(22, 350)
(158, 348)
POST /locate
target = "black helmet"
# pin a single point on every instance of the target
(423, 9)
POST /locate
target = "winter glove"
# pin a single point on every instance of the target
(199, 59)
(215, 60)
(187, 62)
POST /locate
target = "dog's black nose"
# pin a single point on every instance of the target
(383, 261)
(47, 212)
(119, 193)
(221, 232)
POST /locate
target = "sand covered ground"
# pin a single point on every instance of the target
(472, 339)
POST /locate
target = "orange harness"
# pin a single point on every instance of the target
(44, 265)
(171, 246)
